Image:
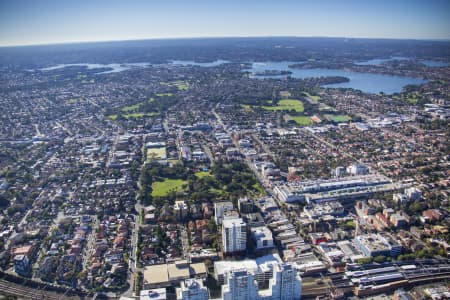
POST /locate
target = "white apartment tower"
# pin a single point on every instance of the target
(291, 282)
(240, 285)
(234, 235)
(285, 284)
(357, 169)
(220, 208)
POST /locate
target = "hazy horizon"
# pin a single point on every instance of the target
(222, 37)
(25, 22)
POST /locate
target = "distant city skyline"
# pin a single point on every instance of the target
(26, 22)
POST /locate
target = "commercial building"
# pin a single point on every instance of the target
(165, 275)
(253, 220)
(375, 244)
(332, 253)
(318, 210)
(234, 236)
(156, 276)
(288, 194)
(262, 238)
(350, 251)
(317, 191)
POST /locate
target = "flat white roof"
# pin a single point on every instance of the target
(221, 267)
(154, 294)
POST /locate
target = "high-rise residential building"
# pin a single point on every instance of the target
(413, 194)
(357, 169)
(291, 282)
(240, 284)
(192, 289)
(246, 205)
(284, 284)
(22, 265)
(234, 235)
(339, 172)
(220, 208)
(180, 209)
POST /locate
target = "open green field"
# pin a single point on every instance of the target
(140, 115)
(249, 107)
(163, 188)
(179, 84)
(131, 107)
(338, 118)
(156, 153)
(202, 174)
(74, 100)
(90, 81)
(300, 120)
(246, 107)
(134, 115)
(315, 98)
(135, 111)
(287, 104)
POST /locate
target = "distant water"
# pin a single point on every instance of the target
(272, 66)
(114, 67)
(200, 64)
(434, 63)
(374, 83)
(379, 61)
(366, 82)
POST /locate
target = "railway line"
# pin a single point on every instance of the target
(371, 280)
(10, 288)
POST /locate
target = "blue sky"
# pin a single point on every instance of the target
(25, 22)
